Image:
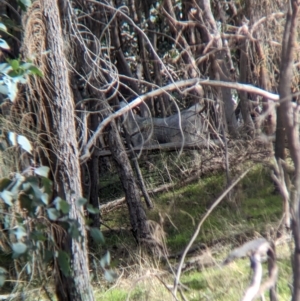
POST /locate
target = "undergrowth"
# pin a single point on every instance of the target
(253, 209)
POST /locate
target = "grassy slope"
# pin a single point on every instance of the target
(253, 209)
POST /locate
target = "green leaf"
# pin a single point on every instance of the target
(53, 214)
(24, 4)
(7, 197)
(45, 198)
(37, 236)
(19, 248)
(19, 179)
(92, 209)
(25, 202)
(14, 64)
(62, 205)
(4, 183)
(4, 45)
(36, 194)
(97, 235)
(110, 275)
(32, 180)
(47, 185)
(80, 202)
(74, 230)
(105, 260)
(42, 171)
(36, 71)
(48, 256)
(63, 259)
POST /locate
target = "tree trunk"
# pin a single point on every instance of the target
(64, 154)
(287, 124)
(137, 214)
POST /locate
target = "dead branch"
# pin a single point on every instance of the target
(257, 249)
(207, 214)
(171, 87)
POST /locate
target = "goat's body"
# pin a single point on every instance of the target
(185, 127)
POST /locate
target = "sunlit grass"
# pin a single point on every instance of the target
(252, 210)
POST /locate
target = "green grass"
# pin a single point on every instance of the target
(252, 208)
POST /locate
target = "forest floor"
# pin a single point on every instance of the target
(252, 210)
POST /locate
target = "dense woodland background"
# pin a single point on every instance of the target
(105, 103)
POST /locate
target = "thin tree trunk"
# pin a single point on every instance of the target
(287, 124)
(137, 214)
(245, 104)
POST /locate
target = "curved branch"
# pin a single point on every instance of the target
(171, 87)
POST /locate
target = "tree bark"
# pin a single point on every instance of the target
(287, 125)
(137, 214)
(65, 161)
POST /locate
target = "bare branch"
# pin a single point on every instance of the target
(171, 87)
(207, 214)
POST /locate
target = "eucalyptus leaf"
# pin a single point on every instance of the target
(47, 185)
(92, 209)
(4, 45)
(80, 202)
(37, 236)
(3, 89)
(48, 256)
(97, 235)
(110, 275)
(19, 248)
(53, 214)
(2, 279)
(5, 67)
(62, 205)
(12, 137)
(14, 64)
(28, 268)
(105, 260)
(24, 143)
(26, 202)
(36, 194)
(74, 230)
(4, 183)
(3, 27)
(7, 197)
(3, 276)
(45, 198)
(7, 221)
(36, 71)
(42, 171)
(11, 87)
(63, 259)
(24, 4)
(20, 232)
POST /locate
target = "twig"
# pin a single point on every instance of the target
(214, 205)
